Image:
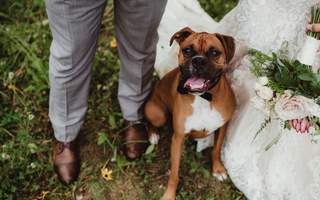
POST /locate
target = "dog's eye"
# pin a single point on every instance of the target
(187, 51)
(214, 53)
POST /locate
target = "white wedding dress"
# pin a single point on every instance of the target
(291, 168)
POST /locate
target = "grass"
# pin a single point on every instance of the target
(26, 133)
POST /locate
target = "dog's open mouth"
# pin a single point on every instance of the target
(197, 84)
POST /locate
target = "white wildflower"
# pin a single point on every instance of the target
(31, 116)
(113, 159)
(32, 165)
(3, 155)
(11, 74)
(32, 147)
(45, 22)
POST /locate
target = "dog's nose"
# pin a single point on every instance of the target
(199, 62)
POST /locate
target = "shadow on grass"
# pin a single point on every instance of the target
(147, 178)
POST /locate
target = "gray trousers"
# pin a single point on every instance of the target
(75, 26)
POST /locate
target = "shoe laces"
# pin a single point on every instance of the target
(63, 145)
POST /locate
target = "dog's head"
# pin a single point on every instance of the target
(201, 57)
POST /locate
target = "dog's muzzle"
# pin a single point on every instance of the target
(197, 83)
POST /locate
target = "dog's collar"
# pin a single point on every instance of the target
(206, 95)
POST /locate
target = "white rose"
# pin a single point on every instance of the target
(258, 103)
(295, 108)
(265, 93)
(257, 86)
(315, 110)
(262, 106)
(263, 80)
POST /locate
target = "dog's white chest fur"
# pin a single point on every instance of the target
(203, 117)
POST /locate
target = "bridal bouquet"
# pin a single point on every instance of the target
(287, 89)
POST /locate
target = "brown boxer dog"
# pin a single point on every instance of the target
(198, 96)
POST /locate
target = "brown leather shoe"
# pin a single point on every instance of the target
(133, 151)
(65, 161)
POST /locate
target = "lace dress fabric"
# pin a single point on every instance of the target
(291, 168)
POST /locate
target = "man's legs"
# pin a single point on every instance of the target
(75, 29)
(136, 24)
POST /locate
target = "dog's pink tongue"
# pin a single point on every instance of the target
(195, 82)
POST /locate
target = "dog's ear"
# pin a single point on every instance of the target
(229, 45)
(181, 35)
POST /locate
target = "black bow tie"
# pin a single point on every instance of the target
(206, 95)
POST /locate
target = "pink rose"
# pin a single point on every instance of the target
(295, 108)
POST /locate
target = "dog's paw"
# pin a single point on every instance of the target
(154, 139)
(220, 177)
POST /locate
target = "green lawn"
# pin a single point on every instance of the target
(26, 133)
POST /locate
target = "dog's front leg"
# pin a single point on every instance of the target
(218, 169)
(176, 153)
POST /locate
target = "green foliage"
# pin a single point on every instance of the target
(263, 125)
(274, 141)
(285, 74)
(315, 120)
(217, 9)
(21, 162)
(24, 88)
